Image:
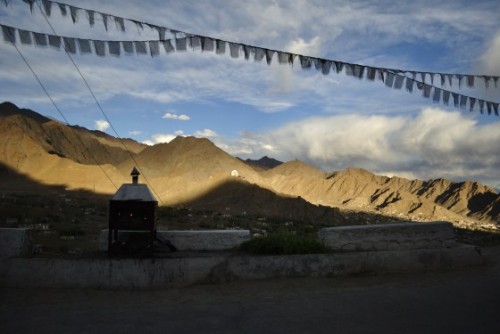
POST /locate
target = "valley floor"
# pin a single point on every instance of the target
(463, 301)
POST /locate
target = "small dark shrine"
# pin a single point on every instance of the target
(132, 209)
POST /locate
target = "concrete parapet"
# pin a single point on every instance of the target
(107, 273)
(341, 264)
(210, 240)
(15, 242)
(202, 240)
(398, 236)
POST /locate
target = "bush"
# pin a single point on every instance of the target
(283, 244)
(72, 232)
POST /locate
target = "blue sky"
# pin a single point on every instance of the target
(251, 109)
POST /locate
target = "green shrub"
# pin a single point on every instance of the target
(283, 244)
(72, 232)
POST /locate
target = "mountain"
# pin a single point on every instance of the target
(356, 189)
(194, 158)
(195, 172)
(242, 198)
(54, 153)
(264, 163)
(76, 143)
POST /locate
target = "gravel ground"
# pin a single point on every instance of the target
(460, 301)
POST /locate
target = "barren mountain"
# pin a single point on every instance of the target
(237, 196)
(195, 172)
(358, 189)
(54, 153)
(187, 167)
(72, 142)
(354, 189)
(263, 163)
(189, 157)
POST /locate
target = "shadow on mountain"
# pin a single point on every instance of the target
(62, 221)
(240, 198)
(10, 109)
(26, 202)
(237, 197)
(12, 182)
(478, 202)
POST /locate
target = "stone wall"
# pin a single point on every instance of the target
(107, 273)
(202, 240)
(400, 236)
(15, 242)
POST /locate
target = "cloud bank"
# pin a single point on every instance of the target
(435, 143)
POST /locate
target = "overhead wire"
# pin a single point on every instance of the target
(101, 109)
(61, 113)
(319, 63)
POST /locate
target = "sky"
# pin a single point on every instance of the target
(252, 109)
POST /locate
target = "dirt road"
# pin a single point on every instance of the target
(464, 301)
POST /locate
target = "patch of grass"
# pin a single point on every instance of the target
(281, 244)
(72, 232)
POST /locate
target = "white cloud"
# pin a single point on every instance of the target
(248, 145)
(207, 133)
(436, 143)
(101, 125)
(491, 58)
(300, 46)
(182, 117)
(168, 137)
(163, 137)
(134, 133)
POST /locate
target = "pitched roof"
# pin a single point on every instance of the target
(134, 192)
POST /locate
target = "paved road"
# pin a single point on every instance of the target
(464, 301)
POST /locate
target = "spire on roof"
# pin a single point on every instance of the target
(135, 175)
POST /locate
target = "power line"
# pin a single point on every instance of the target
(60, 112)
(100, 108)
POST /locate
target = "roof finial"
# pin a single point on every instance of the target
(135, 176)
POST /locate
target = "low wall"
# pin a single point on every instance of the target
(201, 240)
(15, 242)
(178, 272)
(400, 236)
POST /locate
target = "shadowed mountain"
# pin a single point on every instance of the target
(263, 163)
(238, 197)
(11, 181)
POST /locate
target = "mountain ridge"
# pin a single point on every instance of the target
(187, 168)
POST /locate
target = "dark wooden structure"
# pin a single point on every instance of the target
(132, 210)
